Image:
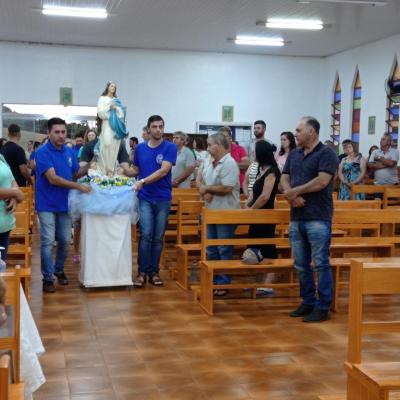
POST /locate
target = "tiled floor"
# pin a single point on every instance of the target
(156, 343)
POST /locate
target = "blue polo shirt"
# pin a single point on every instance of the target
(302, 169)
(149, 160)
(49, 197)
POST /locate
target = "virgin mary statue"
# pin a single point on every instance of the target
(112, 114)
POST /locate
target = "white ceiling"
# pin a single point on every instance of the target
(200, 25)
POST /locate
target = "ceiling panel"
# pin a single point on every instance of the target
(200, 25)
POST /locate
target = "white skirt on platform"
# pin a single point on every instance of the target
(106, 250)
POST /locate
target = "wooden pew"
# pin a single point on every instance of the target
(171, 231)
(340, 204)
(10, 332)
(379, 246)
(30, 198)
(184, 250)
(9, 391)
(391, 197)
(371, 190)
(20, 248)
(370, 381)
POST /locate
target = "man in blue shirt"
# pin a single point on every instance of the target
(307, 181)
(153, 162)
(79, 142)
(56, 166)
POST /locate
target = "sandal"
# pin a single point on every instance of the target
(3, 315)
(139, 281)
(156, 280)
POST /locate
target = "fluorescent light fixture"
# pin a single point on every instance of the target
(307, 24)
(359, 2)
(48, 110)
(259, 41)
(79, 12)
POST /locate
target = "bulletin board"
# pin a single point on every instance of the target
(241, 132)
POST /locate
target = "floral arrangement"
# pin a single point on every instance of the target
(106, 182)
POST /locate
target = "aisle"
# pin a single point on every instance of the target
(155, 344)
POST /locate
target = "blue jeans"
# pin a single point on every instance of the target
(153, 220)
(311, 241)
(54, 226)
(220, 252)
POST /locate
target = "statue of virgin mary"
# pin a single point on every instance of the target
(112, 114)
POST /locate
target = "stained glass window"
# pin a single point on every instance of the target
(355, 127)
(393, 101)
(336, 109)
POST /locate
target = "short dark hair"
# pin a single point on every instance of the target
(265, 153)
(154, 118)
(55, 121)
(313, 123)
(388, 135)
(79, 135)
(261, 122)
(134, 139)
(347, 141)
(36, 145)
(14, 130)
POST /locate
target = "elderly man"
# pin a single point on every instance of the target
(384, 162)
(307, 181)
(238, 153)
(185, 162)
(219, 187)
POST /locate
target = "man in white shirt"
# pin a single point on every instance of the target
(384, 162)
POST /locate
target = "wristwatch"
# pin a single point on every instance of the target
(143, 181)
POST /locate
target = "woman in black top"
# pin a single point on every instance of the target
(263, 194)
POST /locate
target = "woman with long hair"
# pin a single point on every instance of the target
(288, 143)
(352, 170)
(371, 172)
(263, 194)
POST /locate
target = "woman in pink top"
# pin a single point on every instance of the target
(288, 143)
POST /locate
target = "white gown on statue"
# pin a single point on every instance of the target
(109, 145)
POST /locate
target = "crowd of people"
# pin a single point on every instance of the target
(303, 169)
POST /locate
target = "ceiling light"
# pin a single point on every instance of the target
(259, 41)
(359, 2)
(307, 24)
(75, 12)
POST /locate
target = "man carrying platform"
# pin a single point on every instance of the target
(153, 163)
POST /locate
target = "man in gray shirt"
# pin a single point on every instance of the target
(185, 163)
(220, 190)
(384, 162)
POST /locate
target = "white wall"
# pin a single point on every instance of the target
(183, 87)
(375, 62)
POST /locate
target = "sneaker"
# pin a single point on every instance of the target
(317, 315)
(139, 281)
(61, 277)
(48, 287)
(263, 292)
(302, 311)
(156, 280)
(220, 292)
